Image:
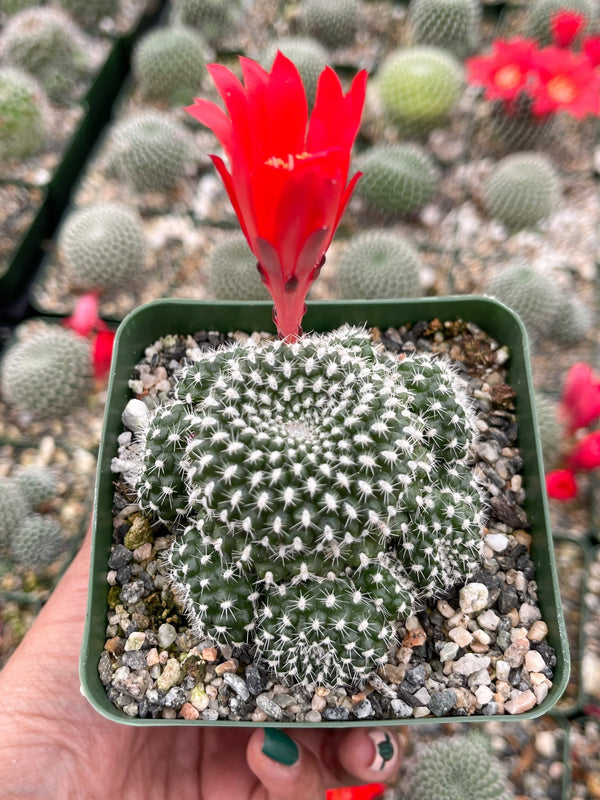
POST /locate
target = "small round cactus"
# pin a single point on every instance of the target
(90, 12)
(150, 151)
(333, 22)
(378, 264)
(212, 18)
(36, 541)
(14, 508)
(549, 427)
(169, 64)
(573, 321)
(47, 373)
(47, 43)
(231, 272)
(538, 23)
(103, 247)
(37, 484)
(522, 190)
(397, 179)
(22, 126)
(450, 24)
(419, 86)
(309, 56)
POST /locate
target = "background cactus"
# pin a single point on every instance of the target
(522, 190)
(36, 541)
(212, 18)
(103, 247)
(333, 22)
(13, 6)
(169, 63)
(150, 151)
(549, 428)
(47, 43)
(309, 56)
(37, 484)
(450, 24)
(231, 272)
(23, 128)
(573, 321)
(419, 86)
(48, 372)
(397, 179)
(540, 13)
(378, 264)
(328, 496)
(90, 12)
(13, 509)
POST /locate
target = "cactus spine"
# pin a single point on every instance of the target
(450, 24)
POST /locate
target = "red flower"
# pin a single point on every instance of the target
(85, 320)
(561, 485)
(567, 82)
(580, 401)
(591, 48)
(506, 71)
(586, 453)
(288, 174)
(102, 347)
(369, 791)
(566, 25)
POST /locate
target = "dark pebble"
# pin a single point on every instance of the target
(548, 653)
(419, 328)
(442, 702)
(123, 574)
(513, 516)
(507, 599)
(255, 679)
(407, 697)
(414, 679)
(132, 592)
(175, 697)
(128, 626)
(337, 713)
(119, 557)
(363, 710)
(490, 709)
(135, 659)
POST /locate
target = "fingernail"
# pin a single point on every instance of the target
(278, 746)
(385, 748)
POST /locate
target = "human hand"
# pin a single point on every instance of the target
(54, 745)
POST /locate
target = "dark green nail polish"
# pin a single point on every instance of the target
(279, 747)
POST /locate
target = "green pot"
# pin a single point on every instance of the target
(148, 323)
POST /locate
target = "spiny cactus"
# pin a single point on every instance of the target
(516, 127)
(419, 86)
(333, 22)
(538, 23)
(231, 272)
(103, 246)
(549, 427)
(212, 18)
(169, 64)
(323, 491)
(13, 509)
(37, 484)
(48, 44)
(573, 321)
(397, 178)
(90, 12)
(36, 541)
(457, 768)
(378, 264)
(522, 190)
(150, 151)
(47, 373)
(22, 127)
(309, 56)
(450, 24)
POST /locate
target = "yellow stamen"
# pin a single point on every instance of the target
(280, 163)
(508, 77)
(562, 89)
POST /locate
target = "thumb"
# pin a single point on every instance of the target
(287, 769)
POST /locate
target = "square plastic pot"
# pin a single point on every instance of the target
(149, 322)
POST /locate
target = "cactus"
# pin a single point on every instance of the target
(550, 428)
(538, 21)
(47, 43)
(419, 86)
(37, 541)
(22, 100)
(13, 509)
(319, 490)
(396, 178)
(573, 321)
(309, 56)
(450, 24)
(103, 247)
(212, 18)
(13, 6)
(90, 12)
(47, 373)
(378, 264)
(522, 190)
(231, 272)
(169, 64)
(150, 151)
(457, 768)
(333, 22)
(37, 484)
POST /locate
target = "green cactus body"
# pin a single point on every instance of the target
(573, 321)
(22, 100)
(47, 43)
(538, 23)
(309, 56)
(14, 508)
(169, 64)
(231, 272)
(90, 12)
(212, 18)
(37, 541)
(458, 768)
(150, 151)
(450, 24)
(14, 6)
(38, 484)
(333, 22)
(549, 428)
(103, 247)
(323, 492)
(522, 190)
(514, 126)
(378, 264)
(48, 372)
(397, 179)
(419, 86)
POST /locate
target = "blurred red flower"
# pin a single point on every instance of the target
(506, 71)
(580, 400)
(567, 82)
(561, 484)
(586, 453)
(369, 791)
(566, 25)
(85, 320)
(591, 48)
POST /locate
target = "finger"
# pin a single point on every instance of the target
(371, 754)
(288, 770)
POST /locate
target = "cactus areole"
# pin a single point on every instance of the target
(288, 176)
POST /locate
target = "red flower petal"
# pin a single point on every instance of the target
(567, 82)
(505, 72)
(369, 791)
(561, 485)
(591, 48)
(566, 26)
(580, 401)
(102, 348)
(586, 453)
(85, 318)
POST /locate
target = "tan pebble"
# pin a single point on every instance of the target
(540, 692)
(211, 691)
(115, 646)
(524, 701)
(412, 623)
(465, 699)
(503, 689)
(392, 672)
(537, 678)
(461, 636)
(322, 691)
(143, 552)
(555, 770)
(421, 711)
(210, 654)
(403, 655)
(538, 631)
(499, 703)
(534, 661)
(152, 657)
(484, 695)
(415, 638)
(227, 666)
(258, 715)
(445, 609)
(162, 543)
(479, 647)
(458, 620)
(513, 616)
(514, 654)
(358, 698)
(188, 711)
(111, 577)
(163, 657)
(170, 676)
(318, 703)
(168, 713)
(523, 537)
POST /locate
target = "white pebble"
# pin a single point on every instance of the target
(473, 597)
(135, 416)
(497, 541)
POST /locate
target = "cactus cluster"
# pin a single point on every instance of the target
(522, 190)
(22, 128)
(103, 247)
(419, 86)
(397, 179)
(333, 22)
(14, 6)
(37, 484)
(231, 272)
(549, 428)
(378, 264)
(450, 24)
(309, 56)
(37, 541)
(47, 43)
(538, 22)
(212, 18)
(319, 490)
(90, 12)
(47, 373)
(573, 321)
(169, 64)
